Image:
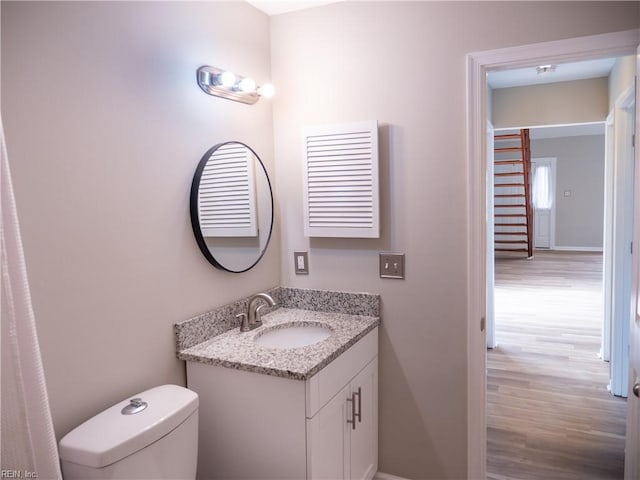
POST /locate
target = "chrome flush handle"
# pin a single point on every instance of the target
(136, 405)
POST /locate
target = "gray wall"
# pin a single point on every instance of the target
(579, 101)
(105, 125)
(339, 63)
(579, 169)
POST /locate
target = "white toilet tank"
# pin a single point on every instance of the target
(151, 435)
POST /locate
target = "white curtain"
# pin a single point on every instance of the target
(28, 441)
(542, 194)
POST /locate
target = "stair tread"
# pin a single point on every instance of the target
(511, 250)
(507, 149)
(508, 184)
(515, 161)
(502, 215)
(507, 136)
(509, 205)
(510, 224)
(508, 174)
(510, 195)
(510, 242)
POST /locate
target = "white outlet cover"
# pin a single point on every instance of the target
(301, 263)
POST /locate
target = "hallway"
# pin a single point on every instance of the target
(549, 413)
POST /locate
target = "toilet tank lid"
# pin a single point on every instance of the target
(110, 436)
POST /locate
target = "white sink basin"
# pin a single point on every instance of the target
(293, 335)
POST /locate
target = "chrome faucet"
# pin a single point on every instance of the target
(251, 319)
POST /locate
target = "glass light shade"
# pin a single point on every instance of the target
(227, 79)
(267, 90)
(247, 85)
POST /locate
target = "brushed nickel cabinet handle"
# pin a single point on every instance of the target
(353, 411)
(359, 414)
(636, 390)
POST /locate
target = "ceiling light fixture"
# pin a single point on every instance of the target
(226, 84)
(542, 69)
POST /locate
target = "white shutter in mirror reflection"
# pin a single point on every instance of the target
(226, 199)
(341, 191)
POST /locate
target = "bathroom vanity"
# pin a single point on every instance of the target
(288, 413)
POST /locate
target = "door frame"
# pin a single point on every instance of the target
(552, 214)
(478, 64)
(622, 238)
(491, 271)
(632, 446)
(607, 241)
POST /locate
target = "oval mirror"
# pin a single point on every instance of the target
(231, 207)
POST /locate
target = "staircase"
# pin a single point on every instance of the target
(513, 213)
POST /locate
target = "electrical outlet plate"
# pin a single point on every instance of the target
(392, 265)
(301, 263)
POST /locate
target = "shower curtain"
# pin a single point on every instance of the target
(29, 448)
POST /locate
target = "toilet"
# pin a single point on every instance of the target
(151, 435)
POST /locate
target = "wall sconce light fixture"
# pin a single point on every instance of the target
(542, 69)
(226, 84)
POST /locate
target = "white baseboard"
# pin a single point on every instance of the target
(577, 249)
(387, 476)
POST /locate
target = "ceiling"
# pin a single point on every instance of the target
(564, 72)
(276, 7)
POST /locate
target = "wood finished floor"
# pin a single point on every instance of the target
(550, 415)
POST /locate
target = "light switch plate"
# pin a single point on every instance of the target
(392, 265)
(301, 263)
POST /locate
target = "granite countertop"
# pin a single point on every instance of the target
(235, 349)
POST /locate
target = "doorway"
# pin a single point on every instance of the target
(615, 44)
(548, 323)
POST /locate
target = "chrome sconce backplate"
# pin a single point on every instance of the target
(210, 81)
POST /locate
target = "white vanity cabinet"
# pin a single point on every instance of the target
(342, 438)
(254, 425)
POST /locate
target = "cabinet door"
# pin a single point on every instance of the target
(364, 438)
(328, 439)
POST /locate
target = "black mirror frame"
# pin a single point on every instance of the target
(193, 204)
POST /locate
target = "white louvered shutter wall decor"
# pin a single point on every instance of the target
(341, 193)
(226, 199)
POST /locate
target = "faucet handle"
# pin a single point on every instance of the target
(244, 322)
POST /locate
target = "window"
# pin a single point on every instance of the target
(542, 194)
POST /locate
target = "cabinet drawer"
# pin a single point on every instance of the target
(330, 380)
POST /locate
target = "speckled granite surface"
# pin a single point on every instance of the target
(234, 349)
(214, 337)
(203, 327)
(330, 301)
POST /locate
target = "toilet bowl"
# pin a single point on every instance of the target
(151, 435)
